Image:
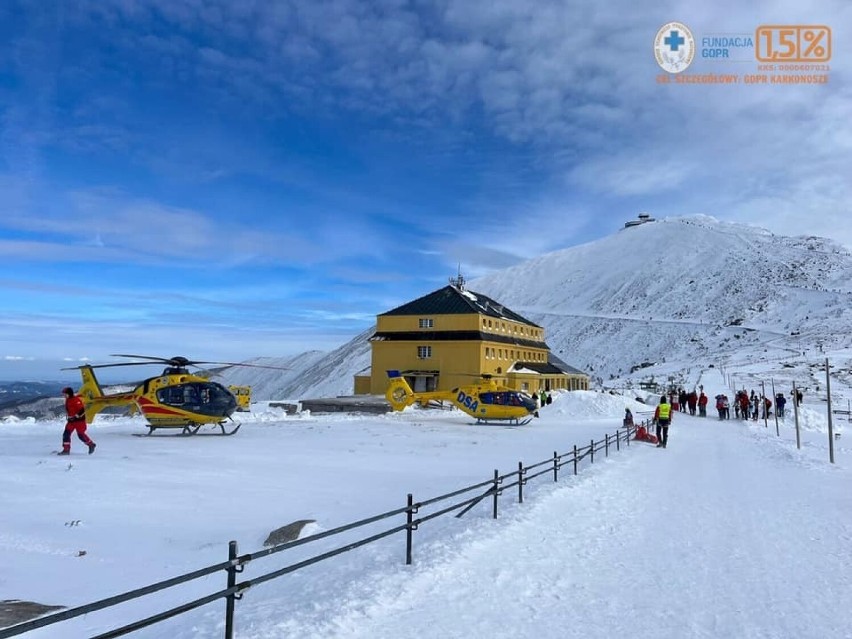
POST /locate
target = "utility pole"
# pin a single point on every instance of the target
(775, 399)
(796, 413)
(830, 428)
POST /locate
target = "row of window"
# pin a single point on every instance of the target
(493, 326)
(557, 383)
(512, 354)
(502, 327)
(425, 352)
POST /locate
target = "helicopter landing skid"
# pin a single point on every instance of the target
(189, 430)
(504, 422)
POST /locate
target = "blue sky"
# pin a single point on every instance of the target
(225, 180)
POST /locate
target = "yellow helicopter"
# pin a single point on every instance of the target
(485, 401)
(174, 399)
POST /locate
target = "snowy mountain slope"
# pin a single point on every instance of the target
(691, 290)
(267, 383)
(682, 289)
(310, 375)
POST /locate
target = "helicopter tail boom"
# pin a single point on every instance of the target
(93, 395)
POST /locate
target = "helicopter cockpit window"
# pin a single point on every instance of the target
(172, 395)
(190, 394)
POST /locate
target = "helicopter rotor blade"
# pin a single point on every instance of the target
(182, 361)
(155, 359)
(476, 375)
(74, 368)
(277, 368)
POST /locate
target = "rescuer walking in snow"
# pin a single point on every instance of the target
(76, 415)
(662, 417)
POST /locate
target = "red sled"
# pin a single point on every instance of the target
(643, 435)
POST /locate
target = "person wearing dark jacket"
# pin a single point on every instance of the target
(76, 415)
(780, 402)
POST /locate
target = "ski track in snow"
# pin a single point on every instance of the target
(630, 548)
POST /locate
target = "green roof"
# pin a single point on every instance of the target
(454, 301)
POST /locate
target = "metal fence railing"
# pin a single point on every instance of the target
(416, 513)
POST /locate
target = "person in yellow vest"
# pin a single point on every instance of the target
(662, 418)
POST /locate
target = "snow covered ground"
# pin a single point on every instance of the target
(729, 532)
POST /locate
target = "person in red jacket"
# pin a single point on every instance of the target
(702, 405)
(76, 412)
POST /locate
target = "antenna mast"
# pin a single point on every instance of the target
(458, 281)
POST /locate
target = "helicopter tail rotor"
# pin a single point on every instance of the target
(399, 393)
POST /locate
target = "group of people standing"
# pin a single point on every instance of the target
(681, 401)
(752, 406)
(541, 399)
(745, 406)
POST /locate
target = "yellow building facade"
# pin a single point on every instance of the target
(452, 336)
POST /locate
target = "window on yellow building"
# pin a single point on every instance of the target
(426, 322)
(424, 352)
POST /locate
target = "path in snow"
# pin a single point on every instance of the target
(727, 533)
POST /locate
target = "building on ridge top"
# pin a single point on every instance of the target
(643, 219)
(451, 336)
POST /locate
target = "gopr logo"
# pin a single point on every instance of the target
(674, 47)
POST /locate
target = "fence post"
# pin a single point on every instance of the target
(496, 493)
(520, 482)
(575, 459)
(592, 452)
(409, 529)
(606, 445)
(617, 440)
(232, 581)
(555, 467)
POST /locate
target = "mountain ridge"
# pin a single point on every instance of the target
(677, 289)
(650, 301)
